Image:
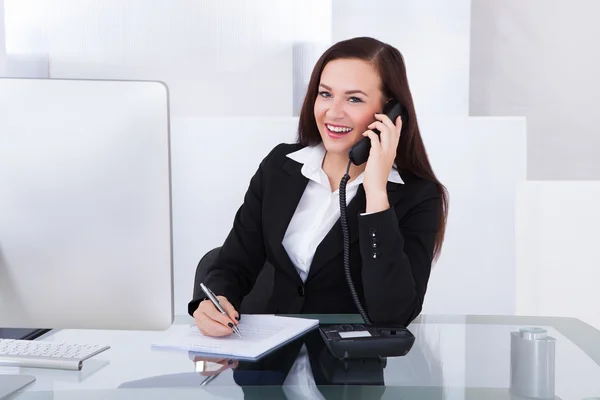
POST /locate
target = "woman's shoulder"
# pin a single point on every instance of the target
(419, 186)
(283, 149)
(279, 153)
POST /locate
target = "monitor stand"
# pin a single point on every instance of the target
(10, 384)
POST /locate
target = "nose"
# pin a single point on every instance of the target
(335, 110)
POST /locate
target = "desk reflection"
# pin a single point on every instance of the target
(305, 368)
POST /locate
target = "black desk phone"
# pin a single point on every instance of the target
(359, 153)
(351, 341)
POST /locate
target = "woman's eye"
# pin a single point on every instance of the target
(355, 100)
(324, 94)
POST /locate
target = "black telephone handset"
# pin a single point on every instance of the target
(359, 153)
(351, 341)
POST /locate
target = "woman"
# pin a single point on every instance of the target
(290, 216)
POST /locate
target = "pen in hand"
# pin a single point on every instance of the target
(211, 296)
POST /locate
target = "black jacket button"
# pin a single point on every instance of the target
(372, 232)
(301, 291)
(375, 254)
(374, 242)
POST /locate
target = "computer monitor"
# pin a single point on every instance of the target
(85, 205)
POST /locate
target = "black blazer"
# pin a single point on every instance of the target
(390, 251)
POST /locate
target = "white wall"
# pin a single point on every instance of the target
(263, 50)
(28, 63)
(2, 41)
(433, 36)
(541, 59)
(230, 58)
(558, 263)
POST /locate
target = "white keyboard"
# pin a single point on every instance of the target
(40, 354)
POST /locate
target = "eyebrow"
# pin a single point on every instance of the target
(347, 92)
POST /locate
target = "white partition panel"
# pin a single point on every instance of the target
(480, 160)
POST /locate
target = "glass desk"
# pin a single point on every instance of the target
(454, 357)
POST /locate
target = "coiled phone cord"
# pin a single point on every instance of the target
(346, 233)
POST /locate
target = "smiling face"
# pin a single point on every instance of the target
(348, 99)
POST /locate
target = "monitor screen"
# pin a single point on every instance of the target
(85, 204)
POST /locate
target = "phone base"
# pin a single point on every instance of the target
(351, 341)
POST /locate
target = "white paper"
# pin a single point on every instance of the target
(260, 334)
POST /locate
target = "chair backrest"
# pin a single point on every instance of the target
(257, 300)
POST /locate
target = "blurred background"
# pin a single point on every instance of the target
(505, 92)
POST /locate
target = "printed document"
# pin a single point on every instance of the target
(260, 335)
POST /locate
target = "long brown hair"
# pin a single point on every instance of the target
(411, 156)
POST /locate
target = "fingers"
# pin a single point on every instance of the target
(375, 143)
(208, 365)
(223, 366)
(204, 359)
(390, 133)
(229, 309)
(210, 327)
(384, 132)
(216, 315)
(399, 124)
(380, 126)
(386, 121)
(210, 321)
(211, 367)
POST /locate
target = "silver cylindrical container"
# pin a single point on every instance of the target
(532, 357)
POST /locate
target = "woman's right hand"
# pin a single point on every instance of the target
(214, 366)
(211, 322)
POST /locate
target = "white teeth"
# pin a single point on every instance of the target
(338, 129)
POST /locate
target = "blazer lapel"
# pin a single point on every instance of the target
(289, 186)
(332, 244)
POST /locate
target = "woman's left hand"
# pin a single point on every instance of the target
(382, 155)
